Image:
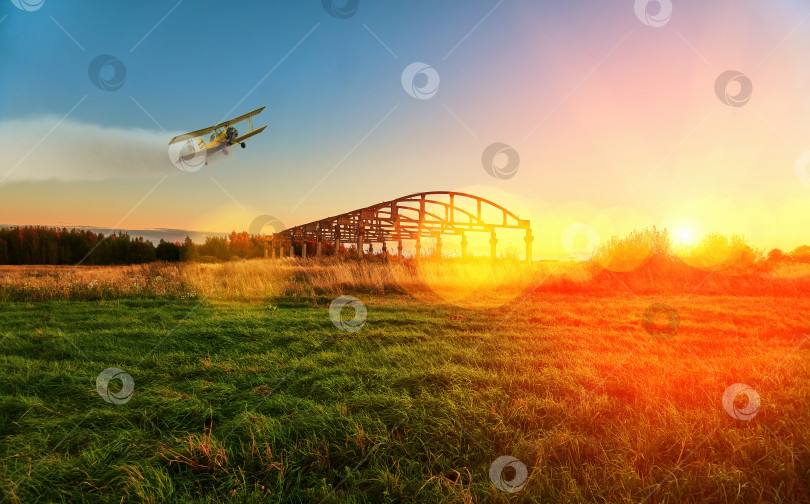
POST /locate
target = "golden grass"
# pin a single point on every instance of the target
(455, 281)
(452, 281)
(40, 282)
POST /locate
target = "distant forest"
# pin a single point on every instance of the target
(43, 245)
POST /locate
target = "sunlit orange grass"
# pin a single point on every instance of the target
(473, 282)
(790, 271)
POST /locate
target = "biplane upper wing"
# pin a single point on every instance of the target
(248, 135)
(205, 131)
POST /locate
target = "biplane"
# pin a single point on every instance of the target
(223, 136)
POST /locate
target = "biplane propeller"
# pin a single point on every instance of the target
(223, 136)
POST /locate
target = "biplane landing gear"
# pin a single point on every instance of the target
(242, 144)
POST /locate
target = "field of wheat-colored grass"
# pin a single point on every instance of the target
(444, 280)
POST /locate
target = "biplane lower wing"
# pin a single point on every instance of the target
(248, 135)
(205, 131)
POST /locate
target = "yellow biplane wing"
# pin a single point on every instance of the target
(248, 135)
(209, 129)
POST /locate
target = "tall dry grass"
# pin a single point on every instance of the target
(433, 279)
(43, 282)
(443, 280)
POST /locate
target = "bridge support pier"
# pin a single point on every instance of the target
(528, 239)
(292, 244)
(399, 248)
(303, 247)
(418, 247)
(337, 242)
(463, 245)
(493, 241)
(439, 246)
(360, 243)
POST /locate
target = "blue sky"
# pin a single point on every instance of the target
(592, 98)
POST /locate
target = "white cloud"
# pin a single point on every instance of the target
(79, 151)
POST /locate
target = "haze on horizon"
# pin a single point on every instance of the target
(618, 124)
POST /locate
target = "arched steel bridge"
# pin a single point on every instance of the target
(413, 217)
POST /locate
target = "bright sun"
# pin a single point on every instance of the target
(685, 236)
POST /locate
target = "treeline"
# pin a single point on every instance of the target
(43, 245)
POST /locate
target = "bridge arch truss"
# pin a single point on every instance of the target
(413, 217)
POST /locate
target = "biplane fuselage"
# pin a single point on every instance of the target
(219, 141)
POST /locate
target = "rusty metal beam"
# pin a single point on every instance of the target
(411, 217)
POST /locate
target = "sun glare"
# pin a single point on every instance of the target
(684, 235)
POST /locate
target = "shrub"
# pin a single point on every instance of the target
(635, 249)
(801, 254)
(722, 252)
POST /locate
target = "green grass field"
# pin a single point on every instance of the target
(260, 402)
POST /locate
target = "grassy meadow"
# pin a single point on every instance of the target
(246, 391)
